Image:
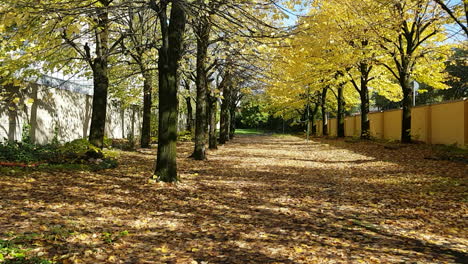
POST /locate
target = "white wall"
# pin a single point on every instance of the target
(69, 112)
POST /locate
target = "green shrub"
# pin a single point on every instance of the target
(78, 151)
(185, 136)
(107, 142)
(24, 152)
(13, 252)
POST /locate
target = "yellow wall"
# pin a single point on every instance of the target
(376, 124)
(319, 128)
(465, 143)
(350, 126)
(357, 126)
(448, 123)
(332, 127)
(445, 123)
(392, 124)
(421, 123)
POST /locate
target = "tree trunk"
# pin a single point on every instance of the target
(406, 117)
(232, 121)
(147, 103)
(169, 56)
(225, 115)
(98, 116)
(33, 115)
(188, 102)
(341, 113)
(100, 80)
(213, 142)
(365, 123)
(312, 120)
(13, 91)
(323, 105)
(201, 125)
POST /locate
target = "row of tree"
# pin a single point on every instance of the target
(344, 51)
(221, 47)
(123, 45)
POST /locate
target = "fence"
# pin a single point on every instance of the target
(443, 123)
(63, 113)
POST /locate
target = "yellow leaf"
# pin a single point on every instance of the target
(298, 249)
(164, 249)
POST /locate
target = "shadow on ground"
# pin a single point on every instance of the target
(259, 199)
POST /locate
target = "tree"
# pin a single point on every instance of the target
(410, 42)
(140, 45)
(458, 70)
(202, 29)
(83, 27)
(225, 116)
(170, 52)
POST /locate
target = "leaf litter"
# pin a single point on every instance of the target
(258, 199)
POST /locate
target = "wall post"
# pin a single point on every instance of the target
(465, 144)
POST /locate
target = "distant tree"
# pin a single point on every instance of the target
(457, 67)
(252, 114)
(411, 42)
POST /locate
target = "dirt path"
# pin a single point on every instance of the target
(259, 199)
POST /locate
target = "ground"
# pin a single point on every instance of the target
(258, 199)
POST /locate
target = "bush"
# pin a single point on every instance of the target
(25, 152)
(185, 136)
(78, 151)
(107, 142)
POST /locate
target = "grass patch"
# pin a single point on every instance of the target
(249, 131)
(15, 251)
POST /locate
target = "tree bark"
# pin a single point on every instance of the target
(312, 120)
(341, 113)
(188, 102)
(201, 125)
(169, 56)
(213, 108)
(406, 115)
(100, 80)
(365, 123)
(225, 115)
(99, 105)
(363, 90)
(232, 121)
(147, 103)
(323, 106)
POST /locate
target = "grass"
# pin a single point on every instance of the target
(249, 131)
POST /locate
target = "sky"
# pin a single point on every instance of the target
(453, 31)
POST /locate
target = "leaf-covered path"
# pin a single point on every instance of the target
(259, 199)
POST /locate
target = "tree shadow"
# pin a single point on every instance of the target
(234, 208)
